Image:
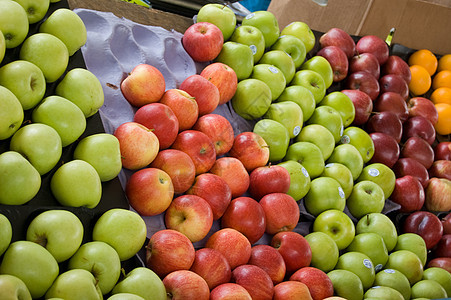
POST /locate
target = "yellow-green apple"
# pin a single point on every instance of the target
(185, 284)
(346, 284)
(408, 193)
(219, 14)
(325, 193)
(300, 95)
(440, 169)
(276, 137)
(270, 260)
(337, 225)
(394, 83)
(203, 41)
(2, 46)
(281, 211)
(20, 181)
(252, 98)
(380, 174)
(375, 45)
(386, 122)
(318, 135)
(390, 101)
(143, 282)
(66, 25)
(380, 224)
(342, 174)
(366, 197)
(384, 292)
(12, 114)
(223, 77)
(212, 266)
(255, 280)
(294, 248)
(138, 145)
(426, 224)
(12, 287)
(214, 190)
(229, 289)
(360, 264)
(282, 61)
(101, 260)
(149, 191)
(436, 194)
(266, 22)
(299, 179)
(63, 116)
(427, 288)
(237, 56)
(396, 65)
(25, 80)
(75, 284)
(183, 105)
(204, 92)
(419, 126)
(349, 156)
(25, 259)
(251, 149)
(407, 263)
(190, 215)
(324, 251)
(386, 149)
(363, 105)
(365, 62)
(302, 31)
(442, 150)
(272, 76)
(308, 155)
(339, 38)
(413, 242)
(394, 279)
(330, 118)
(251, 36)
(6, 234)
(417, 148)
(373, 246)
(161, 120)
(287, 113)
(311, 80)
(439, 275)
(247, 216)
(233, 172)
(343, 104)
(218, 129)
(268, 179)
(338, 61)
(317, 281)
(365, 82)
(36, 10)
(14, 23)
(48, 53)
(234, 245)
(293, 46)
(322, 66)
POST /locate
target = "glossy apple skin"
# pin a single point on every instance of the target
(364, 82)
(391, 101)
(443, 151)
(340, 38)
(419, 126)
(281, 212)
(268, 179)
(218, 129)
(375, 45)
(225, 79)
(386, 149)
(396, 65)
(203, 41)
(183, 105)
(338, 61)
(443, 247)
(386, 122)
(233, 172)
(440, 262)
(437, 195)
(229, 291)
(204, 92)
(425, 224)
(409, 166)
(212, 266)
(394, 83)
(365, 62)
(294, 248)
(255, 280)
(251, 149)
(270, 260)
(292, 290)
(319, 284)
(440, 168)
(420, 106)
(446, 222)
(409, 193)
(363, 105)
(418, 149)
(185, 284)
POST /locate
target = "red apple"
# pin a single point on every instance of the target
(338, 61)
(149, 191)
(251, 149)
(443, 247)
(225, 79)
(281, 211)
(291, 290)
(441, 169)
(409, 166)
(234, 245)
(255, 280)
(268, 179)
(270, 260)
(386, 122)
(446, 222)
(419, 126)
(233, 172)
(374, 45)
(417, 148)
(409, 193)
(214, 190)
(438, 195)
(363, 106)
(425, 224)
(229, 291)
(138, 145)
(340, 38)
(420, 106)
(396, 65)
(442, 151)
(390, 101)
(365, 82)
(204, 92)
(185, 284)
(145, 84)
(212, 266)
(183, 105)
(440, 262)
(169, 250)
(161, 120)
(199, 147)
(386, 149)
(294, 248)
(365, 62)
(317, 281)
(394, 83)
(203, 41)
(218, 129)
(247, 216)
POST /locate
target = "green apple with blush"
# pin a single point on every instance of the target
(251, 36)
(343, 104)
(325, 193)
(307, 154)
(318, 135)
(219, 14)
(324, 251)
(13, 23)
(380, 174)
(346, 284)
(407, 263)
(287, 113)
(143, 282)
(272, 76)
(394, 279)
(337, 225)
(11, 113)
(311, 80)
(6, 233)
(293, 46)
(282, 61)
(302, 31)
(237, 56)
(275, 135)
(322, 66)
(361, 140)
(267, 22)
(302, 96)
(413, 242)
(383, 292)
(439, 275)
(429, 289)
(36, 9)
(12, 287)
(252, 98)
(330, 118)
(299, 179)
(342, 174)
(349, 156)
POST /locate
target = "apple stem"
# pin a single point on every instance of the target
(367, 219)
(41, 240)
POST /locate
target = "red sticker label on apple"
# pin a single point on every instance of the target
(253, 48)
(296, 130)
(273, 69)
(250, 16)
(345, 139)
(367, 263)
(305, 172)
(373, 172)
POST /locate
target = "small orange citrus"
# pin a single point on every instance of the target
(444, 63)
(421, 80)
(424, 58)
(441, 95)
(442, 79)
(443, 125)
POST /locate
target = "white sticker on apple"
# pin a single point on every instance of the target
(373, 172)
(273, 70)
(305, 172)
(378, 268)
(345, 139)
(250, 16)
(389, 271)
(253, 48)
(341, 192)
(367, 263)
(296, 130)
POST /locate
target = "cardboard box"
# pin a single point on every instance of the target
(418, 23)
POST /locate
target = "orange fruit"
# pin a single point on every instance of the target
(443, 125)
(424, 58)
(444, 63)
(421, 80)
(442, 79)
(441, 95)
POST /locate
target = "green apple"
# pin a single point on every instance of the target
(75, 184)
(101, 260)
(346, 284)
(429, 289)
(330, 118)
(407, 263)
(302, 31)
(299, 179)
(337, 225)
(40, 144)
(340, 173)
(252, 99)
(318, 135)
(83, 88)
(31, 263)
(439, 275)
(63, 115)
(394, 279)
(343, 104)
(122, 229)
(251, 36)
(325, 193)
(59, 231)
(275, 135)
(293, 46)
(237, 56)
(311, 80)
(11, 113)
(272, 76)
(12, 288)
(66, 25)
(220, 15)
(13, 23)
(307, 154)
(75, 284)
(36, 9)
(287, 113)
(125, 296)
(373, 246)
(361, 140)
(6, 233)
(383, 292)
(25, 80)
(2, 46)
(19, 180)
(380, 224)
(360, 264)
(413, 242)
(282, 61)
(300, 95)
(349, 156)
(143, 282)
(380, 174)
(267, 22)
(102, 151)
(324, 251)
(366, 197)
(322, 66)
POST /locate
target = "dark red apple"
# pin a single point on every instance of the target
(443, 247)
(294, 248)
(418, 149)
(440, 262)
(419, 126)
(425, 224)
(440, 168)
(366, 62)
(255, 280)
(375, 45)
(340, 38)
(364, 82)
(409, 166)
(386, 122)
(363, 106)
(386, 149)
(409, 193)
(420, 106)
(443, 150)
(396, 65)
(317, 281)
(338, 61)
(394, 83)
(391, 101)
(270, 260)
(446, 222)
(268, 179)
